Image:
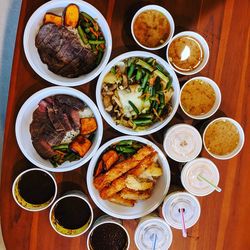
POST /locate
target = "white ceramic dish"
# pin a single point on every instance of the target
(156, 126)
(141, 208)
(35, 209)
(237, 149)
(217, 98)
(165, 13)
(204, 45)
(31, 52)
(24, 119)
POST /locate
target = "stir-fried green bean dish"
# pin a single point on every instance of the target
(137, 93)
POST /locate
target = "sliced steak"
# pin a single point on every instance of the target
(62, 51)
(43, 148)
(71, 101)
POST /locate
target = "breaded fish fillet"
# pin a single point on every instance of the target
(122, 167)
(121, 201)
(135, 195)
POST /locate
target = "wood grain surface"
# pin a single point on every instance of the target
(225, 220)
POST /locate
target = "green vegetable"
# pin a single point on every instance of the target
(87, 17)
(82, 35)
(142, 122)
(145, 80)
(96, 42)
(60, 147)
(150, 60)
(113, 71)
(138, 75)
(152, 90)
(162, 99)
(169, 83)
(125, 142)
(99, 57)
(146, 116)
(159, 67)
(161, 75)
(125, 149)
(144, 65)
(131, 70)
(87, 30)
(134, 107)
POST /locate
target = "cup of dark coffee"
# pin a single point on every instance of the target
(34, 189)
(108, 233)
(71, 215)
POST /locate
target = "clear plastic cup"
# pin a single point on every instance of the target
(190, 176)
(171, 209)
(182, 142)
(153, 228)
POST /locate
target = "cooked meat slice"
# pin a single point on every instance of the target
(53, 138)
(43, 148)
(63, 52)
(70, 101)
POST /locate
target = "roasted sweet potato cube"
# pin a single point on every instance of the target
(99, 169)
(52, 18)
(80, 145)
(71, 15)
(109, 158)
(88, 125)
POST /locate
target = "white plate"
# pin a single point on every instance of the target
(141, 208)
(24, 119)
(31, 52)
(156, 126)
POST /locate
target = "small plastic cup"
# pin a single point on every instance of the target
(216, 103)
(67, 232)
(182, 142)
(202, 43)
(153, 228)
(39, 186)
(172, 205)
(190, 176)
(101, 221)
(165, 13)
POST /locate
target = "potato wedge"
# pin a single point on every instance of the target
(109, 158)
(99, 169)
(71, 15)
(52, 18)
(88, 125)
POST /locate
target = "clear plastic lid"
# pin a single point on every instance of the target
(172, 209)
(153, 230)
(199, 167)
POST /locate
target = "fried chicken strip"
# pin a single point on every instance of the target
(121, 201)
(129, 194)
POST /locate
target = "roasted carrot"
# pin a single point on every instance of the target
(93, 32)
(88, 125)
(52, 18)
(99, 168)
(71, 15)
(80, 145)
(109, 158)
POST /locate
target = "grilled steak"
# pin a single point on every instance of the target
(53, 118)
(62, 51)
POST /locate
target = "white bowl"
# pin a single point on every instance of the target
(141, 208)
(24, 119)
(156, 126)
(217, 98)
(35, 209)
(31, 52)
(237, 149)
(165, 13)
(204, 45)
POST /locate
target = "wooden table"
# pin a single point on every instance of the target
(225, 220)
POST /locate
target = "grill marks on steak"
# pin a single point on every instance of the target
(53, 118)
(62, 51)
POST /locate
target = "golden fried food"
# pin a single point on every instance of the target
(153, 171)
(144, 164)
(116, 186)
(133, 182)
(121, 201)
(135, 195)
(122, 167)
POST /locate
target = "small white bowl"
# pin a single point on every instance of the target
(165, 13)
(217, 98)
(204, 45)
(237, 149)
(31, 52)
(24, 119)
(156, 126)
(141, 208)
(15, 183)
(80, 195)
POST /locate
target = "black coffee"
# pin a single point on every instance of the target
(36, 187)
(109, 236)
(72, 212)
